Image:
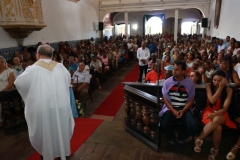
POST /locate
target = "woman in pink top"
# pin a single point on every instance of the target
(105, 62)
(118, 57)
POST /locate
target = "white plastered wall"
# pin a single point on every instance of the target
(137, 17)
(229, 19)
(65, 21)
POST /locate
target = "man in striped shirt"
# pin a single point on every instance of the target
(178, 96)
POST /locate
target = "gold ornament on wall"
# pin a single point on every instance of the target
(9, 10)
(21, 17)
(29, 9)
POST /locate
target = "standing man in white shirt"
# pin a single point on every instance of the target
(143, 55)
(130, 49)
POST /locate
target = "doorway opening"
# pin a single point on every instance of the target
(120, 29)
(188, 28)
(153, 26)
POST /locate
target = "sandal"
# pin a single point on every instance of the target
(230, 155)
(198, 144)
(213, 154)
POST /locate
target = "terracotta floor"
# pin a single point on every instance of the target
(110, 141)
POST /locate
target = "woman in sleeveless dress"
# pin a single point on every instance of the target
(7, 79)
(215, 114)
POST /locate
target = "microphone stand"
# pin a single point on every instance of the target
(77, 81)
(158, 69)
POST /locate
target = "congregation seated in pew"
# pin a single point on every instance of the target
(215, 114)
(7, 79)
(80, 81)
(197, 53)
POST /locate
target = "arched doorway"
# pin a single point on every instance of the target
(120, 29)
(108, 24)
(188, 27)
(153, 26)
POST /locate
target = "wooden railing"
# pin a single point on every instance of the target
(12, 111)
(142, 107)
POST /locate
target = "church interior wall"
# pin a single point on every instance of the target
(229, 19)
(137, 17)
(65, 20)
(69, 21)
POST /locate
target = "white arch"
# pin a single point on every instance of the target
(204, 8)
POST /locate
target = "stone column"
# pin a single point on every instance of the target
(126, 24)
(198, 28)
(176, 25)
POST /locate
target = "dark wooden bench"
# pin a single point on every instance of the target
(142, 105)
(12, 111)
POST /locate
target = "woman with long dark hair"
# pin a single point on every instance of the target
(7, 79)
(166, 62)
(232, 78)
(56, 57)
(196, 77)
(87, 59)
(215, 114)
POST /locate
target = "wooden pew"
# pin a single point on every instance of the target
(12, 111)
(142, 105)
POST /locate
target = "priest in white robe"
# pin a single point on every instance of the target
(44, 88)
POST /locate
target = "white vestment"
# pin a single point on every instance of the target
(44, 88)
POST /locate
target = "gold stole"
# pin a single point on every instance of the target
(49, 66)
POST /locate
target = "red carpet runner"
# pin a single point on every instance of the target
(84, 127)
(111, 105)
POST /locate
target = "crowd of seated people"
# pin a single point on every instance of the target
(203, 56)
(211, 62)
(97, 59)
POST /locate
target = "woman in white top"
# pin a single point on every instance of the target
(190, 59)
(6, 80)
(237, 48)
